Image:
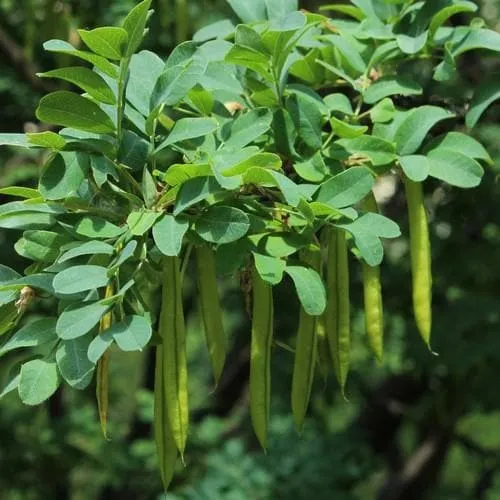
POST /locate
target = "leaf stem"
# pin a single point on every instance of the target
(122, 81)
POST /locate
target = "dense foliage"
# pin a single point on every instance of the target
(254, 147)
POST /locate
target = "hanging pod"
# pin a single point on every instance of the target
(420, 258)
(210, 309)
(372, 293)
(172, 331)
(337, 315)
(305, 351)
(166, 447)
(102, 372)
(260, 355)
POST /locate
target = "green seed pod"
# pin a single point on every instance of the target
(374, 315)
(420, 258)
(102, 375)
(260, 356)
(372, 292)
(172, 331)
(305, 352)
(210, 309)
(337, 315)
(165, 444)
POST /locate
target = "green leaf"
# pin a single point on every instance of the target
(312, 169)
(126, 253)
(269, 161)
(135, 24)
(350, 10)
(7, 274)
(289, 22)
(346, 188)
(310, 289)
(174, 83)
(338, 102)
(97, 227)
(148, 185)
(86, 79)
(99, 345)
(39, 380)
(455, 168)
(103, 168)
(219, 29)
(63, 175)
(283, 244)
(141, 221)
(485, 94)
(62, 47)
(391, 85)
(444, 14)
(447, 69)
(193, 191)
(277, 9)
(131, 334)
(475, 39)
(261, 176)
(249, 12)
(73, 363)
(461, 143)
(72, 110)
(20, 140)
(78, 319)
(247, 128)
(181, 172)
(168, 234)
(33, 334)
(144, 70)
(349, 50)
(134, 151)
(88, 248)
(80, 278)
(108, 42)
(307, 118)
(26, 220)
(346, 130)
(271, 269)
(189, 128)
(12, 385)
(221, 224)
(20, 191)
(47, 139)
(383, 111)
(365, 147)
(415, 167)
(42, 281)
(367, 231)
(40, 246)
(413, 130)
(202, 100)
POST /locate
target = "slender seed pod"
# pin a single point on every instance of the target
(165, 444)
(324, 361)
(305, 353)
(374, 315)
(172, 331)
(337, 316)
(210, 309)
(372, 292)
(260, 356)
(102, 375)
(420, 258)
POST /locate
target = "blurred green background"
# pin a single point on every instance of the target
(416, 427)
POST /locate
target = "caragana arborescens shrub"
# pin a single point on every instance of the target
(253, 149)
